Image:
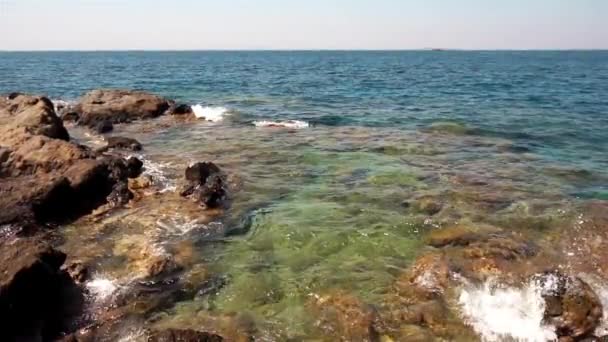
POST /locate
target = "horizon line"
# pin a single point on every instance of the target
(438, 49)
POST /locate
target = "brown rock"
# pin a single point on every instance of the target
(36, 115)
(123, 143)
(345, 317)
(204, 185)
(572, 306)
(119, 106)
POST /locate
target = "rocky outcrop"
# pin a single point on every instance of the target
(34, 114)
(45, 178)
(122, 143)
(118, 106)
(37, 298)
(204, 184)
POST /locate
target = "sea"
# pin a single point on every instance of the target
(328, 154)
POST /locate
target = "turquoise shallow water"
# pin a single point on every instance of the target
(515, 140)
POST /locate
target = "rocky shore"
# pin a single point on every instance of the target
(49, 180)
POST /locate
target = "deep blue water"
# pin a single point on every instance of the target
(553, 103)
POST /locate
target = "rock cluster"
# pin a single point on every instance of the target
(204, 184)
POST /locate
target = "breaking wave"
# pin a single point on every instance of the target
(213, 114)
(294, 124)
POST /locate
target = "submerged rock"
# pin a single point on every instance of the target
(37, 298)
(104, 126)
(345, 318)
(122, 143)
(118, 106)
(205, 185)
(173, 335)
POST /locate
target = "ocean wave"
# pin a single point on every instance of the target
(507, 313)
(209, 113)
(294, 124)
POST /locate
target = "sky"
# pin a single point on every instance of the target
(302, 24)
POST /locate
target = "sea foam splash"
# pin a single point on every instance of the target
(157, 172)
(294, 124)
(101, 288)
(213, 114)
(506, 313)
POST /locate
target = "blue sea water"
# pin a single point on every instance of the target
(553, 102)
(329, 207)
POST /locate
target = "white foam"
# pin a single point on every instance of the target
(507, 313)
(102, 288)
(60, 104)
(213, 114)
(294, 124)
(156, 171)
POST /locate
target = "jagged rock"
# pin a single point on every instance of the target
(173, 335)
(37, 299)
(205, 185)
(571, 305)
(119, 106)
(35, 114)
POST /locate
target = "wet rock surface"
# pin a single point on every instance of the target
(118, 106)
(205, 185)
(173, 335)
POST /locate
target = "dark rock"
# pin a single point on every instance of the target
(181, 109)
(205, 184)
(37, 299)
(199, 172)
(134, 167)
(120, 195)
(173, 335)
(123, 143)
(119, 106)
(70, 117)
(104, 126)
(571, 305)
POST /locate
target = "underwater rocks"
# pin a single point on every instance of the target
(118, 106)
(173, 335)
(122, 143)
(204, 185)
(345, 317)
(37, 298)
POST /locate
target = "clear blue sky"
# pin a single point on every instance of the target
(302, 24)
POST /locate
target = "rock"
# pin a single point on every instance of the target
(181, 109)
(173, 335)
(571, 305)
(429, 275)
(77, 271)
(119, 106)
(45, 179)
(140, 183)
(36, 115)
(123, 143)
(428, 206)
(345, 318)
(120, 195)
(37, 299)
(205, 185)
(104, 126)
(458, 235)
(70, 117)
(199, 172)
(134, 167)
